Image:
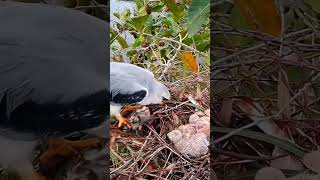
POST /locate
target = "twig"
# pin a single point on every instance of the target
(168, 64)
(269, 117)
(177, 42)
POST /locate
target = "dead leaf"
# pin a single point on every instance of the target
(287, 162)
(175, 117)
(262, 15)
(312, 161)
(269, 173)
(226, 112)
(183, 96)
(188, 59)
(284, 94)
(256, 112)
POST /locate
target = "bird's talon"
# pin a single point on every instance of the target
(123, 121)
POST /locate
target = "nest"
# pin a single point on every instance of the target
(147, 152)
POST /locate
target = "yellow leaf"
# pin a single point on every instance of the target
(262, 15)
(188, 59)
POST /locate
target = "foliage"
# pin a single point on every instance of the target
(197, 16)
(162, 30)
(171, 38)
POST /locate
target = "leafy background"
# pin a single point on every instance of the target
(172, 39)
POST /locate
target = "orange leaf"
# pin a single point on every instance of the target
(262, 15)
(188, 59)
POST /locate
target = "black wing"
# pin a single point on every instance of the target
(51, 58)
(129, 98)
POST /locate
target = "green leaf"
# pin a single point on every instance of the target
(165, 32)
(196, 39)
(137, 42)
(157, 8)
(116, 36)
(125, 14)
(198, 15)
(173, 8)
(117, 15)
(207, 61)
(282, 143)
(139, 3)
(138, 22)
(203, 46)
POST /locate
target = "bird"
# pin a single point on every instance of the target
(131, 88)
(53, 82)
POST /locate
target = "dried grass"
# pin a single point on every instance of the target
(147, 153)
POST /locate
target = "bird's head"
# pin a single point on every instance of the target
(163, 90)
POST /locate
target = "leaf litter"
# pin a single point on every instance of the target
(265, 97)
(152, 150)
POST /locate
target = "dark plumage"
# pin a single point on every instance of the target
(53, 76)
(129, 98)
(53, 68)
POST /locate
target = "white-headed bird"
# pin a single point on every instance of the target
(131, 87)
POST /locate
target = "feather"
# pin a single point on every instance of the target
(51, 65)
(130, 83)
(48, 69)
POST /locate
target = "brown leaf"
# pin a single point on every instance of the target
(226, 112)
(256, 112)
(287, 162)
(188, 59)
(262, 15)
(312, 161)
(183, 96)
(269, 173)
(175, 118)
